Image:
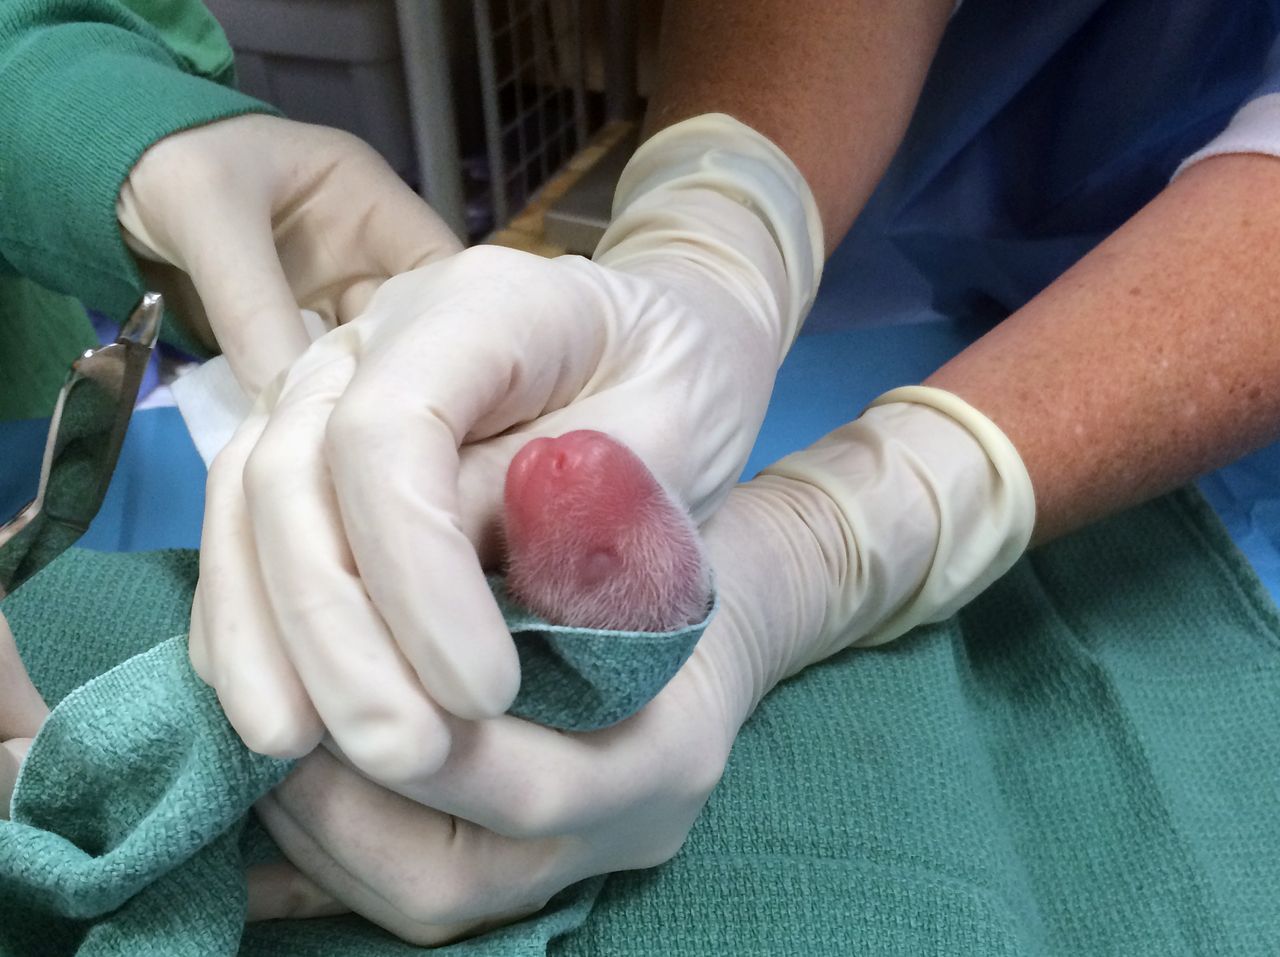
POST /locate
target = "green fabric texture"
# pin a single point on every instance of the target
(1086, 760)
(584, 679)
(191, 32)
(86, 86)
(43, 332)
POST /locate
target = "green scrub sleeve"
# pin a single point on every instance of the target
(86, 86)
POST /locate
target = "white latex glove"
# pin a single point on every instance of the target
(12, 753)
(22, 711)
(263, 216)
(340, 586)
(896, 519)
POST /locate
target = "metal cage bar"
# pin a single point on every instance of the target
(533, 88)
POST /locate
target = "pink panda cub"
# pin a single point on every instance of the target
(594, 541)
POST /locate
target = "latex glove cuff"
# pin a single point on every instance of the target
(716, 153)
(932, 504)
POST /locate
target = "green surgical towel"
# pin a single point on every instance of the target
(1086, 760)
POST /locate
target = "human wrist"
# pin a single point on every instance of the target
(165, 172)
(729, 199)
(766, 547)
(926, 504)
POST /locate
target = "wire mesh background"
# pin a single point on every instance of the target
(533, 84)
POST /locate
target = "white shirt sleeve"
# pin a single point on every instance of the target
(1254, 129)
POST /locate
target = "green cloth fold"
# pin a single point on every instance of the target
(1086, 760)
(584, 679)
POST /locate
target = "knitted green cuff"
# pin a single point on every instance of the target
(83, 101)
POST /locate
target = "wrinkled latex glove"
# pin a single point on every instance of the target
(22, 711)
(262, 216)
(348, 520)
(894, 520)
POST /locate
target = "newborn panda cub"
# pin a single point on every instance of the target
(594, 541)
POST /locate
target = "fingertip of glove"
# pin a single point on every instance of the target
(484, 688)
(394, 751)
(272, 732)
(12, 754)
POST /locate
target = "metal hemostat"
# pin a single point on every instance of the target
(85, 436)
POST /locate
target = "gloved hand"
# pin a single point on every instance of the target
(262, 216)
(22, 711)
(891, 521)
(340, 586)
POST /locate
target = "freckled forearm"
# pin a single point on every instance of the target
(832, 84)
(1153, 360)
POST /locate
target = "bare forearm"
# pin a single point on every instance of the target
(833, 85)
(1153, 360)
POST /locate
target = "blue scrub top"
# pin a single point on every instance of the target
(1041, 128)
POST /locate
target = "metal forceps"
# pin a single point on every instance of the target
(85, 436)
